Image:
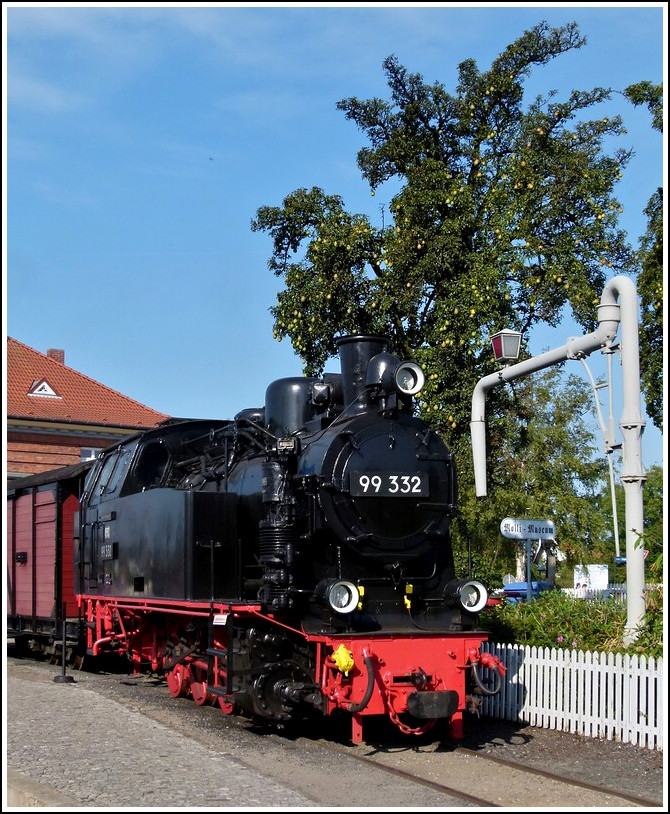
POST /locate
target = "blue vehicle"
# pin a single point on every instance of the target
(518, 591)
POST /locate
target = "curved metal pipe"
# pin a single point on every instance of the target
(633, 474)
(575, 348)
(368, 690)
(478, 681)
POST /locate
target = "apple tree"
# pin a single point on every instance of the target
(501, 214)
(650, 280)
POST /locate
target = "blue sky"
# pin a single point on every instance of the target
(139, 142)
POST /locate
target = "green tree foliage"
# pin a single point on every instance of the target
(650, 290)
(503, 217)
(646, 93)
(650, 279)
(558, 620)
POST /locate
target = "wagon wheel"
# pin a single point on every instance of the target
(177, 681)
(200, 694)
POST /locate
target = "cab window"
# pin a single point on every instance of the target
(150, 467)
(111, 475)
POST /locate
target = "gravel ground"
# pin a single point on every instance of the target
(630, 769)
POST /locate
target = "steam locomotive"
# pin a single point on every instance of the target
(292, 562)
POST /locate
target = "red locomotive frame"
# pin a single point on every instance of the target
(364, 676)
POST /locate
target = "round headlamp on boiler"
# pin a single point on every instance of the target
(339, 595)
(390, 375)
(409, 378)
(468, 594)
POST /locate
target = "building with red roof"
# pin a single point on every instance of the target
(58, 417)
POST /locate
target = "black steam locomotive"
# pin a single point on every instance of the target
(291, 562)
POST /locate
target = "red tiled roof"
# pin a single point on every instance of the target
(81, 399)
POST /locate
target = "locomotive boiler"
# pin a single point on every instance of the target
(294, 561)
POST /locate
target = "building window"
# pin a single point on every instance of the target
(89, 453)
(42, 388)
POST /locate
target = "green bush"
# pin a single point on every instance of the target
(559, 620)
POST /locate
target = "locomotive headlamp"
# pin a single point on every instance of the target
(470, 594)
(409, 378)
(339, 595)
(386, 372)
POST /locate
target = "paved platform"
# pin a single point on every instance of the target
(23, 792)
(67, 746)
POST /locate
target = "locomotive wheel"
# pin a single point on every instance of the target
(177, 681)
(200, 694)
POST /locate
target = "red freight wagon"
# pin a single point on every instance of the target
(41, 519)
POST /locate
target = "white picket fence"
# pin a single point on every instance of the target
(615, 591)
(598, 695)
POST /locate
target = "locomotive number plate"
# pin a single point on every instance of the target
(109, 551)
(388, 484)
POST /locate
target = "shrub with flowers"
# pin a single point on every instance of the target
(559, 620)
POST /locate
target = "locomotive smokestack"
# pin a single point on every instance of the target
(355, 353)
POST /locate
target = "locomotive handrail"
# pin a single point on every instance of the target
(255, 426)
(275, 621)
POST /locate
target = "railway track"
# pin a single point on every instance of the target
(485, 781)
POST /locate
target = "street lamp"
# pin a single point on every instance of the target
(506, 345)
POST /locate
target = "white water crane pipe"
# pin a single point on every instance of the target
(633, 474)
(575, 348)
(610, 316)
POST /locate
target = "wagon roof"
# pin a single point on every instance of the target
(65, 473)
